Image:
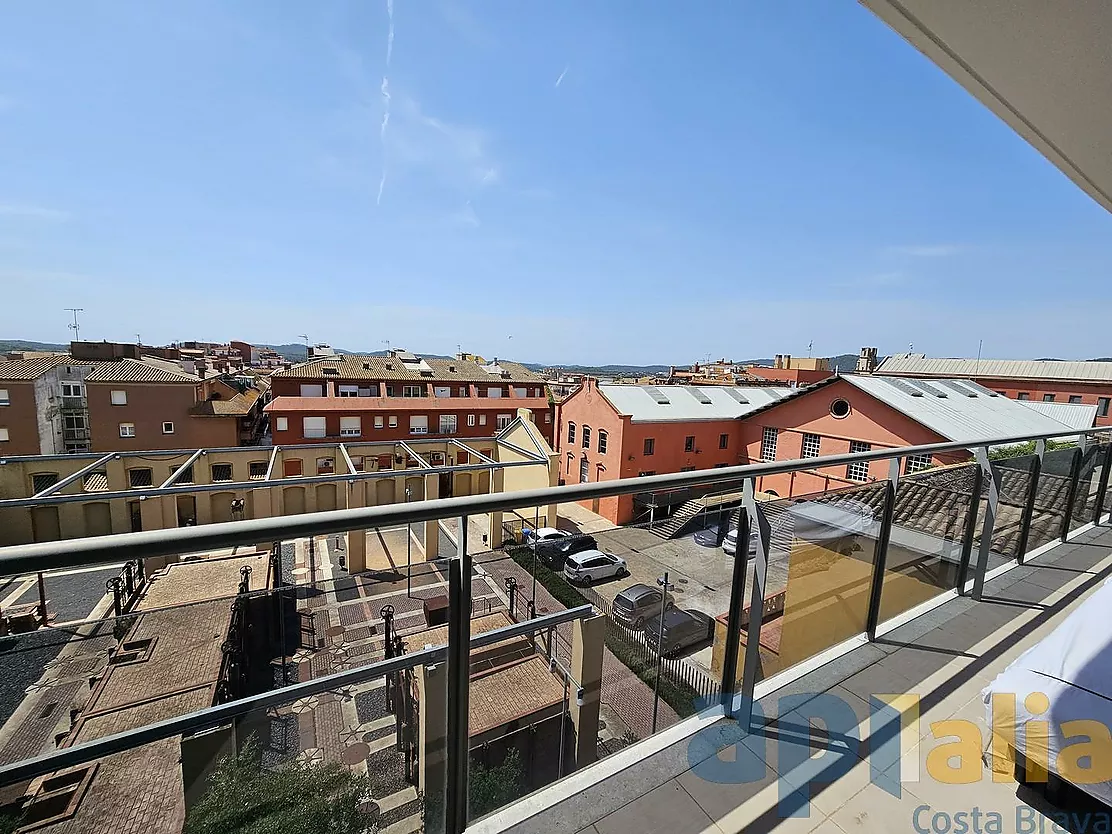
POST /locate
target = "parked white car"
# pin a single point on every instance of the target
(589, 566)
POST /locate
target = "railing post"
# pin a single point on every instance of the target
(1102, 486)
(880, 557)
(990, 521)
(1075, 476)
(1029, 504)
(733, 619)
(970, 528)
(459, 663)
(759, 524)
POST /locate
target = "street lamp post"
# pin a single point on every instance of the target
(536, 527)
(663, 582)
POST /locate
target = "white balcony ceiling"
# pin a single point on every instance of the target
(1044, 67)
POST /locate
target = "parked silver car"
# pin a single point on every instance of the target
(592, 565)
(635, 604)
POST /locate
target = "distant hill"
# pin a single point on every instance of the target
(20, 344)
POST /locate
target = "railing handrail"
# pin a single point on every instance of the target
(221, 713)
(22, 558)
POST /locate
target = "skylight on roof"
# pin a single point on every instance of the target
(658, 395)
(700, 395)
(737, 395)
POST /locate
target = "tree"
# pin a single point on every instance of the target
(489, 788)
(296, 798)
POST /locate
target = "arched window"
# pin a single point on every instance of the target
(586, 437)
(571, 432)
(601, 442)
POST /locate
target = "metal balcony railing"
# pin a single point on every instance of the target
(740, 670)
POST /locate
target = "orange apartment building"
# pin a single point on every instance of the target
(398, 396)
(1039, 380)
(619, 431)
(607, 432)
(793, 371)
(58, 404)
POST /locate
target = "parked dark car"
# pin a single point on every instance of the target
(681, 629)
(635, 604)
(709, 536)
(554, 546)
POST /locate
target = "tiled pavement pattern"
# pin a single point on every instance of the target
(946, 657)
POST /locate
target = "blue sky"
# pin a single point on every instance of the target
(565, 182)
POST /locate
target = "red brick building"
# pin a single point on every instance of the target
(401, 395)
(1040, 380)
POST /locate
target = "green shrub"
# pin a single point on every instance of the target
(490, 788)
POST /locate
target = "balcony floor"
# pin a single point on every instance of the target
(946, 656)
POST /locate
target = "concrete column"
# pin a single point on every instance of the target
(551, 514)
(432, 693)
(432, 528)
(259, 501)
(497, 484)
(587, 641)
(150, 511)
(356, 539)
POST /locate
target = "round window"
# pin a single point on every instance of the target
(840, 408)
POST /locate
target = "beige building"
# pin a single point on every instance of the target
(48, 497)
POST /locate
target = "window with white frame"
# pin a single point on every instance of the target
(858, 470)
(413, 391)
(351, 426)
(584, 471)
(768, 443)
(314, 427)
(119, 398)
(571, 432)
(586, 437)
(348, 390)
(312, 390)
(521, 392)
(167, 427)
(379, 422)
(393, 421)
(73, 422)
(503, 420)
(71, 389)
(281, 423)
(448, 423)
(917, 463)
(127, 430)
(442, 391)
(4, 398)
(602, 437)
(4, 436)
(464, 391)
(471, 420)
(482, 419)
(494, 392)
(419, 424)
(548, 416)
(812, 446)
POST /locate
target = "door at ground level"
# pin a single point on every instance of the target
(98, 519)
(44, 523)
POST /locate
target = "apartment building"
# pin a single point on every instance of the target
(857, 413)
(1038, 380)
(793, 370)
(607, 432)
(61, 404)
(401, 395)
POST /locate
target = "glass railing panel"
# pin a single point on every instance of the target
(1014, 469)
(1088, 484)
(1051, 497)
(925, 543)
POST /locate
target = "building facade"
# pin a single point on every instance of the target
(1042, 380)
(63, 405)
(402, 396)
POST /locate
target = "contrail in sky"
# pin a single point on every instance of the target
(561, 78)
(385, 88)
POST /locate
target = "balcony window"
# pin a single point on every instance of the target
(650, 446)
(602, 438)
(348, 390)
(4, 398)
(313, 427)
(72, 389)
(464, 391)
(221, 472)
(127, 430)
(521, 392)
(494, 392)
(119, 398)
(689, 443)
(586, 437)
(812, 446)
(448, 423)
(571, 432)
(350, 427)
(419, 424)
(312, 390)
(504, 420)
(768, 443)
(442, 391)
(859, 470)
(413, 391)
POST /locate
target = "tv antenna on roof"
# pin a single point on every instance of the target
(76, 326)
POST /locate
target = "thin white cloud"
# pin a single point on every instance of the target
(384, 89)
(33, 212)
(935, 250)
(560, 80)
